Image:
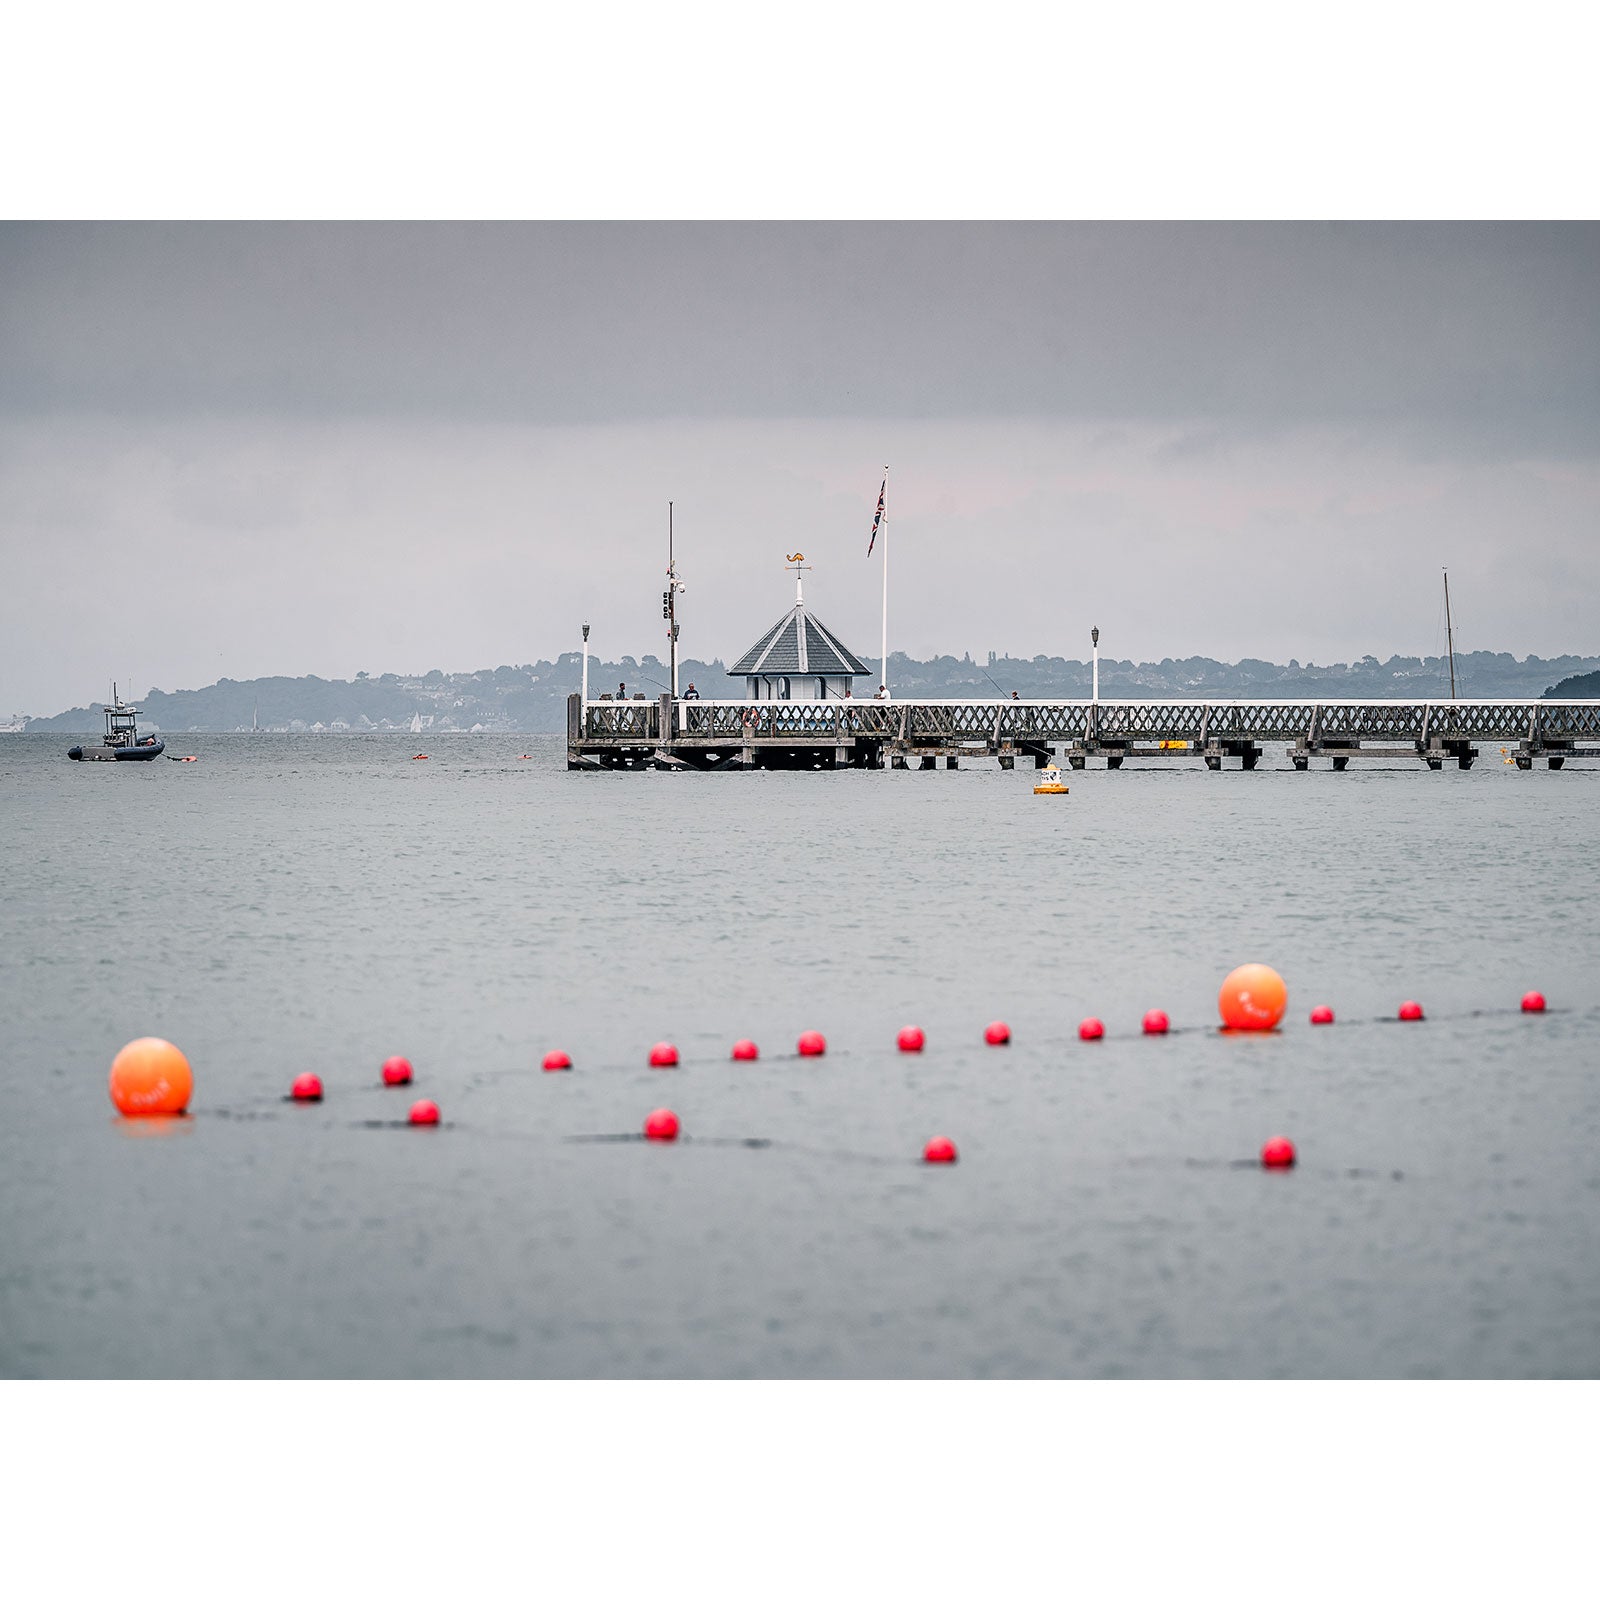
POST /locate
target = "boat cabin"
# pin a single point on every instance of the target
(122, 724)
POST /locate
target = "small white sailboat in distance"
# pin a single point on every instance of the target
(416, 722)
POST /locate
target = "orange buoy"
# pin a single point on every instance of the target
(939, 1149)
(1155, 1022)
(1278, 1153)
(424, 1113)
(308, 1086)
(1533, 1001)
(1091, 1028)
(812, 1044)
(745, 1050)
(557, 1061)
(1321, 1016)
(664, 1055)
(911, 1040)
(1411, 1011)
(1252, 998)
(396, 1071)
(661, 1124)
(150, 1078)
(997, 1033)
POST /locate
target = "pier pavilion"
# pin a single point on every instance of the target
(797, 658)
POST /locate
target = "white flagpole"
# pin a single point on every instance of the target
(884, 665)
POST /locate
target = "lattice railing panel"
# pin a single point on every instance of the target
(1062, 721)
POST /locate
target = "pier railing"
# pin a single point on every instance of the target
(1023, 722)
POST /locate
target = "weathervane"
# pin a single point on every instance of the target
(797, 562)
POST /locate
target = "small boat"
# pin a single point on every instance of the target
(1050, 782)
(122, 741)
(419, 758)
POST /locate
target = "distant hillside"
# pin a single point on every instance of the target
(1585, 686)
(532, 698)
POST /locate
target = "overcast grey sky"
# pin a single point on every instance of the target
(230, 450)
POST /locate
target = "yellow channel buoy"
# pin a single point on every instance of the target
(1050, 782)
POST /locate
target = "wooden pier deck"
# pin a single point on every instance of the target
(727, 735)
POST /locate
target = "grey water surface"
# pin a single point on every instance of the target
(320, 902)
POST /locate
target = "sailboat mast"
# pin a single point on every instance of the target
(1449, 634)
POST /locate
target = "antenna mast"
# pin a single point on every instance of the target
(669, 604)
(1449, 634)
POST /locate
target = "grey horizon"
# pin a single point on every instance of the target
(226, 448)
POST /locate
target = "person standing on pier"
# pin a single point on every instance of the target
(883, 692)
(691, 693)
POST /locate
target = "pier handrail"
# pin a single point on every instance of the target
(993, 719)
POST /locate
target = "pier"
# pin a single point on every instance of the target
(735, 735)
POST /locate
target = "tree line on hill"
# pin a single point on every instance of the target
(532, 698)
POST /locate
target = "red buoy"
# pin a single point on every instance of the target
(424, 1114)
(308, 1086)
(812, 1044)
(661, 1124)
(939, 1149)
(664, 1055)
(1091, 1028)
(997, 1033)
(1155, 1022)
(1321, 1016)
(557, 1061)
(1533, 1001)
(1411, 1012)
(1277, 1153)
(911, 1039)
(396, 1070)
(745, 1050)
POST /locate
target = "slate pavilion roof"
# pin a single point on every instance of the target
(797, 644)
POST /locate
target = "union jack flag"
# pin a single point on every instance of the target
(878, 515)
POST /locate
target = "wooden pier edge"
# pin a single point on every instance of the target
(733, 735)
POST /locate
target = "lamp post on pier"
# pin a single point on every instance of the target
(1094, 639)
(586, 666)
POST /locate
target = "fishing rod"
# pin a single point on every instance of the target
(1003, 692)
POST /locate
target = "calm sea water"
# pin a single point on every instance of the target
(286, 904)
